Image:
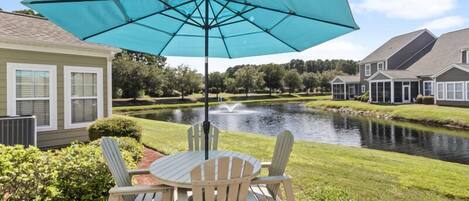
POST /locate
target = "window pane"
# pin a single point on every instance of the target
(32, 84)
(459, 91)
(440, 90)
(467, 91)
(39, 108)
(84, 110)
(84, 84)
(450, 91)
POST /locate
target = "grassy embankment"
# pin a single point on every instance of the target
(363, 174)
(428, 114)
(197, 101)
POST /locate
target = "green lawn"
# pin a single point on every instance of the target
(253, 99)
(414, 112)
(362, 173)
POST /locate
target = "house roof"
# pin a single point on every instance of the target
(348, 78)
(392, 46)
(464, 67)
(23, 28)
(444, 52)
(396, 74)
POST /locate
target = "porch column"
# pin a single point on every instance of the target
(332, 91)
(345, 91)
(392, 91)
(369, 91)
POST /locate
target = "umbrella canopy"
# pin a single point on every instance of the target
(215, 28)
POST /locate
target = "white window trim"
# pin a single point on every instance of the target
(363, 88)
(438, 90)
(377, 66)
(11, 91)
(68, 70)
(367, 72)
(467, 90)
(433, 88)
(454, 99)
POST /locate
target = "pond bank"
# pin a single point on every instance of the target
(433, 115)
(364, 174)
(255, 100)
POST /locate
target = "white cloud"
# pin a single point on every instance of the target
(445, 23)
(335, 49)
(406, 9)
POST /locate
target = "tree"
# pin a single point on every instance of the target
(216, 82)
(187, 80)
(273, 76)
(169, 85)
(129, 76)
(28, 12)
(309, 81)
(292, 80)
(248, 78)
(230, 85)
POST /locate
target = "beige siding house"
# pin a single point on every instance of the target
(47, 72)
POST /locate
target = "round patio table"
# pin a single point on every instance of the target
(175, 170)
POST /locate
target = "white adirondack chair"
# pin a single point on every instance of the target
(124, 190)
(213, 180)
(196, 137)
(267, 188)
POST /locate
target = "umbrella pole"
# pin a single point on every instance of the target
(206, 123)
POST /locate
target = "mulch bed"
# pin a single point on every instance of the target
(149, 155)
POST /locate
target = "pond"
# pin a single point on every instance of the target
(326, 127)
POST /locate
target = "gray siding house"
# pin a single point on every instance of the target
(418, 63)
(46, 72)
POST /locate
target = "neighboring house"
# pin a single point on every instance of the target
(346, 87)
(47, 72)
(418, 63)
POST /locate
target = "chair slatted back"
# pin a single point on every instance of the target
(283, 148)
(196, 137)
(222, 179)
(116, 164)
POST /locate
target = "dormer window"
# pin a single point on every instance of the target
(465, 56)
(367, 69)
(380, 66)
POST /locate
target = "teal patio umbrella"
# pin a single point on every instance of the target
(202, 28)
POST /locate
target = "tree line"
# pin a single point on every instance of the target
(136, 74)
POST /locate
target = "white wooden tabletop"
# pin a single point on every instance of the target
(174, 170)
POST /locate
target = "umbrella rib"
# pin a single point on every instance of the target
(121, 9)
(183, 21)
(219, 30)
(179, 29)
(200, 13)
(234, 16)
(244, 34)
(152, 28)
(265, 31)
(129, 22)
(186, 16)
(294, 14)
(219, 12)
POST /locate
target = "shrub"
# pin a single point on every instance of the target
(77, 172)
(365, 97)
(428, 100)
(26, 174)
(324, 193)
(419, 99)
(117, 126)
(128, 144)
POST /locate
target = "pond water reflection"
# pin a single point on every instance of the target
(325, 127)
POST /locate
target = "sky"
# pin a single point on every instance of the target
(379, 20)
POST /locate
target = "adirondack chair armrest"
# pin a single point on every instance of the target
(266, 164)
(138, 172)
(271, 180)
(134, 190)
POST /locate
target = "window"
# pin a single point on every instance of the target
(467, 91)
(83, 92)
(32, 91)
(363, 88)
(381, 66)
(367, 69)
(428, 88)
(454, 90)
(441, 91)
